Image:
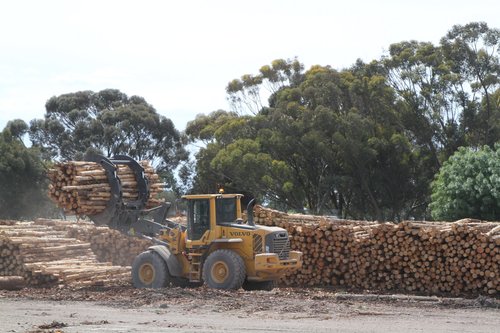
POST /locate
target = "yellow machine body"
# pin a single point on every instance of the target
(215, 223)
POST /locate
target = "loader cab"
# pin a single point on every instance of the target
(206, 211)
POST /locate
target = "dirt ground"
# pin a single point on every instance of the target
(125, 309)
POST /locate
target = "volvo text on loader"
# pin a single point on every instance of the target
(216, 247)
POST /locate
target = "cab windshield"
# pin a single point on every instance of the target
(225, 210)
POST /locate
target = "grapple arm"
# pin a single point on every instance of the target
(129, 217)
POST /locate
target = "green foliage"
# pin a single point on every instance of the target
(22, 177)
(421, 76)
(218, 124)
(364, 142)
(471, 52)
(325, 144)
(17, 129)
(468, 185)
(244, 94)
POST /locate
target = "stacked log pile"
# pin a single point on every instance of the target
(423, 257)
(107, 244)
(47, 252)
(82, 188)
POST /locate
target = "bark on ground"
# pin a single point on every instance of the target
(125, 309)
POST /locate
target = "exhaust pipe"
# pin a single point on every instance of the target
(250, 212)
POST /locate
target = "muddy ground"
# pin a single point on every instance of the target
(125, 309)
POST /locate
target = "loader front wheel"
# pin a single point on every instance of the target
(149, 270)
(224, 269)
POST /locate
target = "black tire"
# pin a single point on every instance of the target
(224, 269)
(149, 270)
(261, 285)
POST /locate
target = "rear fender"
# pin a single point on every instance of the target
(174, 267)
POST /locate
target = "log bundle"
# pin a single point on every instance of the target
(418, 257)
(82, 188)
(48, 252)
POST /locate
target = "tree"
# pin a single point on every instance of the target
(216, 134)
(472, 53)
(245, 94)
(22, 177)
(447, 89)
(111, 123)
(363, 142)
(446, 94)
(468, 185)
(431, 110)
(17, 129)
(325, 143)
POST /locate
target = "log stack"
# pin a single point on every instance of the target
(48, 252)
(82, 188)
(12, 282)
(418, 257)
(107, 244)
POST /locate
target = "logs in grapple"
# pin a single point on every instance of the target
(424, 257)
(82, 188)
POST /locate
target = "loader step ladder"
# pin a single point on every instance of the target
(195, 268)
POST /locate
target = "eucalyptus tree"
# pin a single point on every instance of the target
(22, 176)
(108, 122)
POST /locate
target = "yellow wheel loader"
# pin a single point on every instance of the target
(216, 247)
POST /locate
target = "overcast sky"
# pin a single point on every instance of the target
(179, 55)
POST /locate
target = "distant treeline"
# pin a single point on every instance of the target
(365, 142)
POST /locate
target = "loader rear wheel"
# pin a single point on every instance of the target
(224, 269)
(149, 270)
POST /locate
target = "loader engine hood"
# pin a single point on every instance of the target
(265, 239)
